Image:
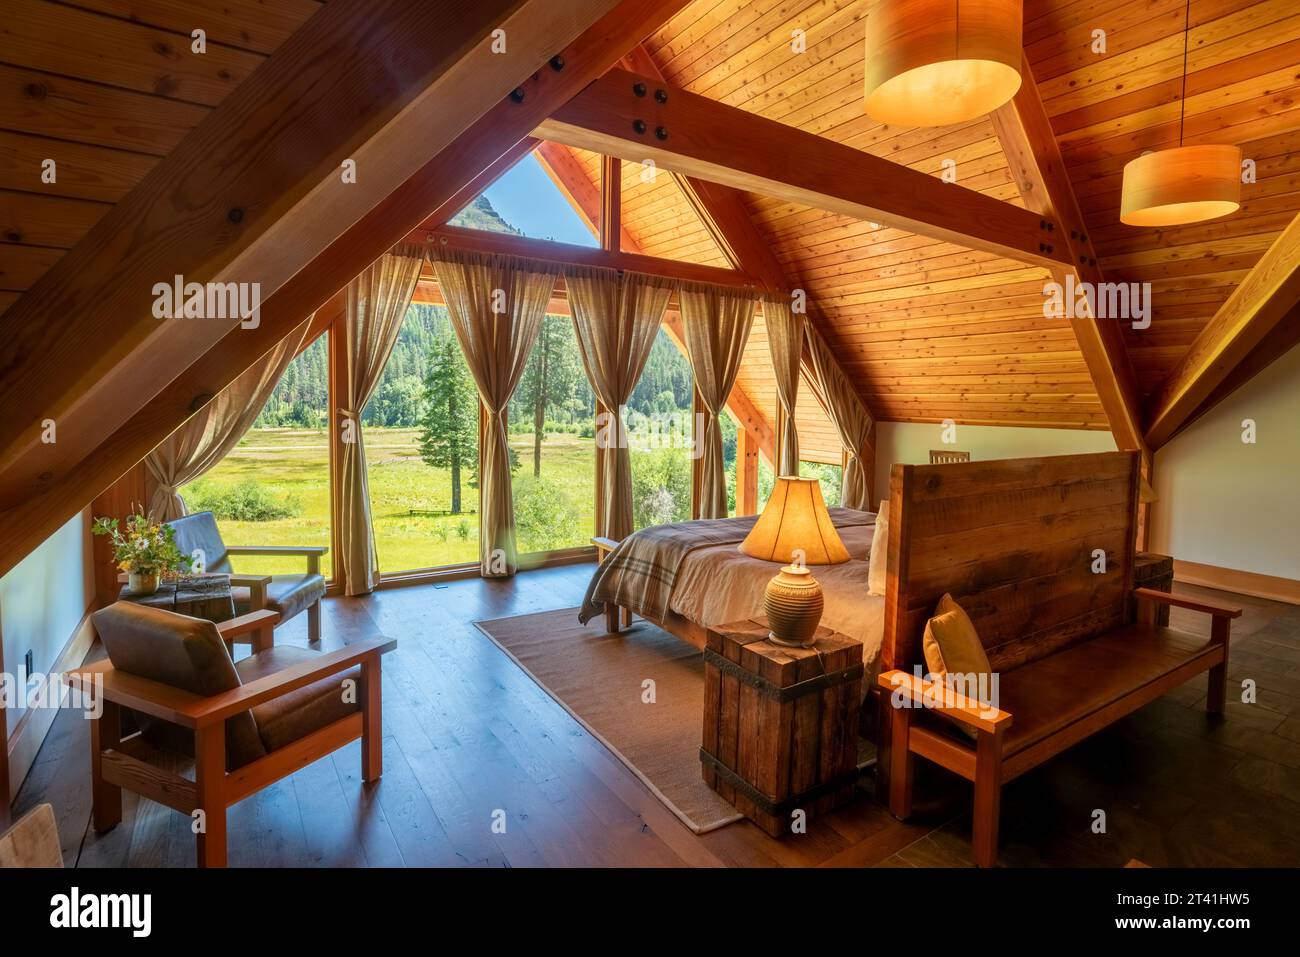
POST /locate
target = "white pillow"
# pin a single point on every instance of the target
(879, 552)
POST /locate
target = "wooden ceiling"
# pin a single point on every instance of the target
(1243, 88)
(107, 87)
(929, 330)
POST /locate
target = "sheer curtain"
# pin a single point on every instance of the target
(851, 419)
(209, 435)
(377, 301)
(616, 318)
(715, 322)
(785, 342)
(497, 305)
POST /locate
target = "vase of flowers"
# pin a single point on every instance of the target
(145, 550)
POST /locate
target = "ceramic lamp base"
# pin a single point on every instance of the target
(793, 602)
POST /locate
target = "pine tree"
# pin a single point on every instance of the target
(550, 379)
(449, 434)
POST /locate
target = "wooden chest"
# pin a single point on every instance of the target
(780, 724)
(1157, 572)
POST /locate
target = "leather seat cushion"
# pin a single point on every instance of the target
(295, 715)
(181, 652)
(287, 594)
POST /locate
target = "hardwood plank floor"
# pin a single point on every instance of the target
(467, 735)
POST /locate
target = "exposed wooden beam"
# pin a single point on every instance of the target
(611, 203)
(724, 214)
(705, 139)
(40, 501)
(567, 253)
(1267, 295)
(250, 196)
(1025, 132)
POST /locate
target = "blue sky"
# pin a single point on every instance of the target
(528, 200)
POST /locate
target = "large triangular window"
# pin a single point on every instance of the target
(525, 201)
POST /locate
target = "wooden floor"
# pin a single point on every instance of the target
(467, 733)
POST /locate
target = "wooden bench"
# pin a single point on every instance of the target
(1020, 545)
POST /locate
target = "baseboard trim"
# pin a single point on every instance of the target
(30, 731)
(1244, 583)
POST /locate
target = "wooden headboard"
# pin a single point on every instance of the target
(1013, 541)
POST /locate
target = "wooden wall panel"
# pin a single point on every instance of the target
(1015, 542)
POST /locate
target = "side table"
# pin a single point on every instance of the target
(780, 724)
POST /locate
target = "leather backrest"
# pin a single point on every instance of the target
(198, 531)
(181, 652)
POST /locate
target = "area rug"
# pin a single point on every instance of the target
(601, 680)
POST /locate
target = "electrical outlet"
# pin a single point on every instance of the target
(27, 662)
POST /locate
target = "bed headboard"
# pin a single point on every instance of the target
(1013, 541)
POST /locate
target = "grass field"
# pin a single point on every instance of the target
(294, 464)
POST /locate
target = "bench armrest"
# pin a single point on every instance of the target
(1195, 604)
(244, 624)
(195, 711)
(312, 553)
(937, 697)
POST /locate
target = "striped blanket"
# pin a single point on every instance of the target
(641, 572)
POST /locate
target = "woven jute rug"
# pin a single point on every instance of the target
(641, 693)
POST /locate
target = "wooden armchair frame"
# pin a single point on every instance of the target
(117, 762)
(313, 555)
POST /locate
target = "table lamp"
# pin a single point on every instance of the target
(795, 528)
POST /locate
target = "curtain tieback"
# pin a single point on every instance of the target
(348, 413)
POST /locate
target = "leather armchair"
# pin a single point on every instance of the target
(247, 724)
(287, 595)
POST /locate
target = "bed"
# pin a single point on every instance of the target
(689, 576)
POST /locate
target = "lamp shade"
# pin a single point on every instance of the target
(1186, 184)
(935, 62)
(795, 520)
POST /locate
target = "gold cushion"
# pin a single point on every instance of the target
(952, 647)
(951, 644)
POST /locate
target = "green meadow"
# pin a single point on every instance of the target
(410, 500)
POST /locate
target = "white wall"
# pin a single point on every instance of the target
(1223, 502)
(910, 443)
(43, 599)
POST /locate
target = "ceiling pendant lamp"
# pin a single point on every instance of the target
(1184, 184)
(936, 62)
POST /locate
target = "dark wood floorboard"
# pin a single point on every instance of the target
(467, 735)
